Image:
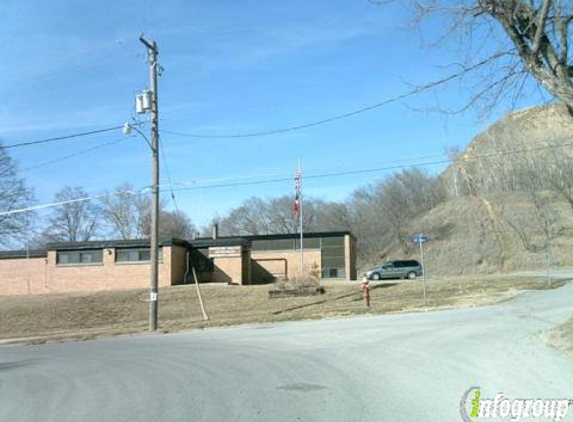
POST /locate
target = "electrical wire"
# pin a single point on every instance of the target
(64, 137)
(68, 201)
(168, 176)
(467, 158)
(411, 93)
(76, 154)
(282, 174)
(397, 98)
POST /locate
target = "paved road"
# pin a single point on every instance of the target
(411, 367)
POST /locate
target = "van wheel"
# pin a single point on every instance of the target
(411, 275)
(375, 276)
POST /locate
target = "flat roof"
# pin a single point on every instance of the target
(102, 244)
(201, 242)
(206, 242)
(280, 236)
(32, 253)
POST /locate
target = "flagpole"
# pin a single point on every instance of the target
(300, 224)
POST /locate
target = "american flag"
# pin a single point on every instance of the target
(297, 189)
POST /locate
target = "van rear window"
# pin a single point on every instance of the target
(406, 264)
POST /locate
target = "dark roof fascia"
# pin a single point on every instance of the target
(221, 241)
(297, 235)
(102, 244)
(202, 242)
(282, 236)
(22, 254)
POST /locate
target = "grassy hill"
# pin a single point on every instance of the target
(471, 235)
(508, 203)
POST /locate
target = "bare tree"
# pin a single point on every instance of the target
(404, 196)
(13, 195)
(539, 32)
(248, 218)
(272, 216)
(127, 212)
(73, 221)
(333, 216)
(538, 228)
(506, 42)
(559, 168)
(173, 224)
(280, 213)
(380, 215)
(393, 202)
(369, 225)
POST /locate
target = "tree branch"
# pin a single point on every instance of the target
(541, 25)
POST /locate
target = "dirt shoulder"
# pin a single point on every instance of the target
(561, 337)
(36, 319)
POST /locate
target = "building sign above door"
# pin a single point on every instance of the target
(225, 251)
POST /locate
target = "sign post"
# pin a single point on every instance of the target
(419, 239)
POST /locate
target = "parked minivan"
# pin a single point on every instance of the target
(395, 269)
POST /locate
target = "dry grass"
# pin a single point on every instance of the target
(106, 313)
(561, 337)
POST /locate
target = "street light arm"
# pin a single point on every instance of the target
(129, 127)
(148, 44)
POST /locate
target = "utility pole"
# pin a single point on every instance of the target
(301, 229)
(154, 249)
(419, 239)
(298, 205)
(423, 266)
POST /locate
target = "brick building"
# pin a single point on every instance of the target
(124, 264)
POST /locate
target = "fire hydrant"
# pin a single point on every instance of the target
(366, 293)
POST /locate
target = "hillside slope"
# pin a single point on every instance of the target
(503, 214)
(472, 235)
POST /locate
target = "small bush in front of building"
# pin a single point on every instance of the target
(315, 272)
(307, 285)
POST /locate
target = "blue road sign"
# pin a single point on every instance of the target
(420, 238)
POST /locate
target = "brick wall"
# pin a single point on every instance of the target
(287, 261)
(234, 268)
(23, 276)
(19, 276)
(42, 275)
(177, 263)
(228, 270)
(350, 257)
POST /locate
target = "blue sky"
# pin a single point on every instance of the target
(231, 67)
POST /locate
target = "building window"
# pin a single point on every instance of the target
(136, 255)
(92, 256)
(273, 244)
(308, 243)
(285, 244)
(333, 273)
(333, 257)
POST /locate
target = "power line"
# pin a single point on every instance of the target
(375, 169)
(281, 174)
(168, 177)
(285, 179)
(400, 97)
(411, 93)
(61, 138)
(68, 201)
(76, 154)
